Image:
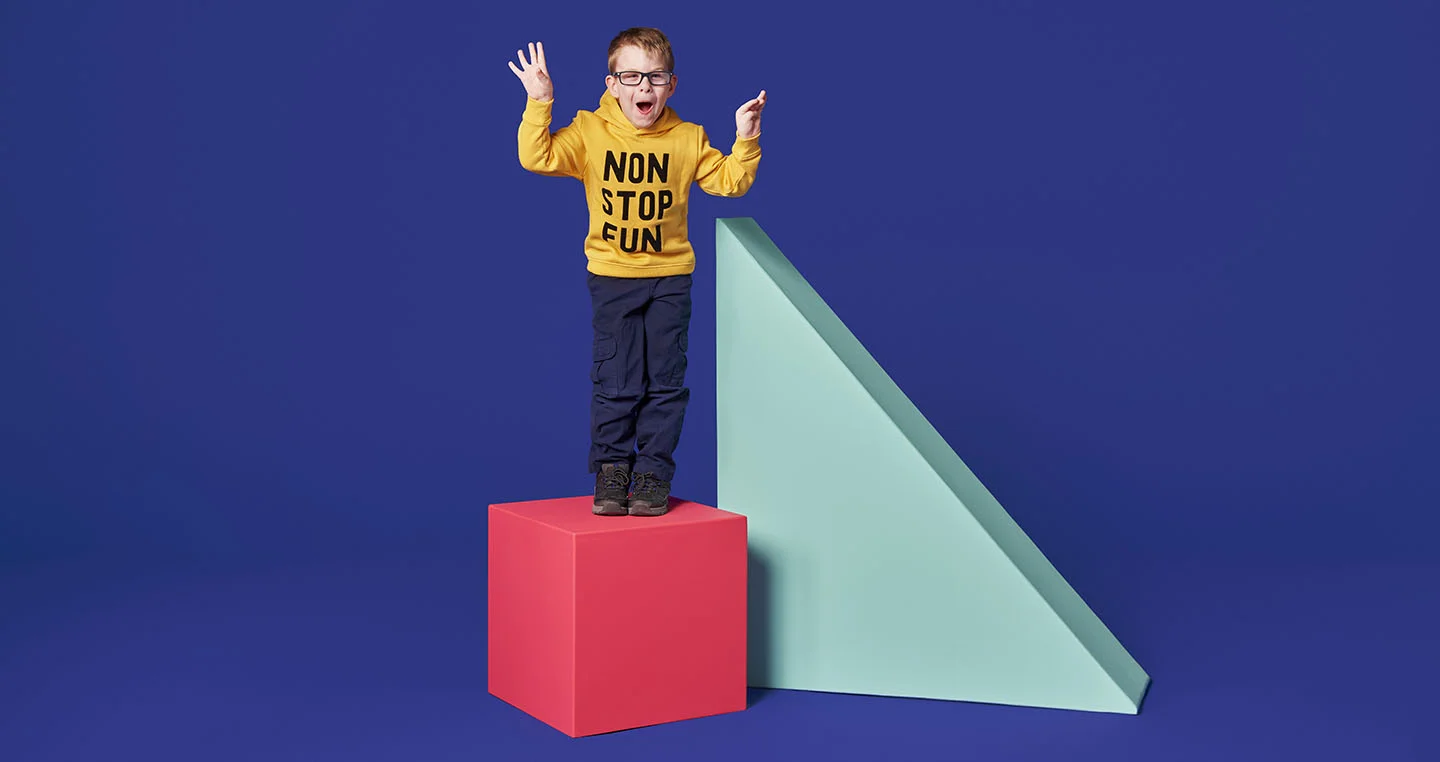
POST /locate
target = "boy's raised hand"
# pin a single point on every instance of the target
(533, 73)
(747, 117)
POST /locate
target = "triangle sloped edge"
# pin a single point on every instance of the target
(1112, 658)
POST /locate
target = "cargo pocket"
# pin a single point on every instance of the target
(677, 371)
(602, 372)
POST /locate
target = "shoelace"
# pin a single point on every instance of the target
(644, 482)
(617, 479)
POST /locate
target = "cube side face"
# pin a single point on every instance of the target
(661, 630)
(531, 622)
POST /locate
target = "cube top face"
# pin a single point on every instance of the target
(573, 515)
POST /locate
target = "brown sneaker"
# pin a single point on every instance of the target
(612, 487)
(651, 496)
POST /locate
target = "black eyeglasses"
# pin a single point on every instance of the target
(632, 78)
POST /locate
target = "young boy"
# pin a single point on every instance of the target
(637, 160)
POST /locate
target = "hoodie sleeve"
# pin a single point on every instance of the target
(561, 154)
(721, 175)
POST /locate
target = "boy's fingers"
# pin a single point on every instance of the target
(541, 47)
(516, 69)
(534, 58)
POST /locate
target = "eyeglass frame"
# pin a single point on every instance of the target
(646, 75)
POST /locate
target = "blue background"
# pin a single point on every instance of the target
(280, 314)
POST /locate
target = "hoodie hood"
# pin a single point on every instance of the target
(610, 111)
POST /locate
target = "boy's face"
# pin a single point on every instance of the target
(641, 103)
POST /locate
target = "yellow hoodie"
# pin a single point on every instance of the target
(637, 182)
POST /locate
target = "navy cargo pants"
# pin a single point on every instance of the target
(642, 331)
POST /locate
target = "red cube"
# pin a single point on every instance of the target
(603, 623)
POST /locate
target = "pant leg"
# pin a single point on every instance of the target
(617, 374)
(661, 412)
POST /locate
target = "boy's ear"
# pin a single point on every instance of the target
(612, 84)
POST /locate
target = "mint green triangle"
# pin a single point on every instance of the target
(879, 563)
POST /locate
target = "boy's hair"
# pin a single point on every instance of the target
(646, 38)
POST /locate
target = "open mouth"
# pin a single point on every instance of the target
(644, 107)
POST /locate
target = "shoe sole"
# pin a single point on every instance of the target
(647, 510)
(609, 508)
